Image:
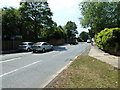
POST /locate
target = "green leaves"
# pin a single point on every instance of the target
(70, 28)
(10, 21)
(84, 36)
(36, 16)
(107, 39)
(29, 20)
(100, 15)
(55, 32)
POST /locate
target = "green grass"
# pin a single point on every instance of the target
(87, 72)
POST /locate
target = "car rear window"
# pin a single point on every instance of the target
(23, 43)
(30, 43)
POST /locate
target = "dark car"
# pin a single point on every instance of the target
(73, 41)
(25, 46)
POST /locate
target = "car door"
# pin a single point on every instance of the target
(48, 46)
(44, 45)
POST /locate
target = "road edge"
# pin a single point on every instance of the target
(54, 77)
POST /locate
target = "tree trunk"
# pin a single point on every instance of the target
(35, 29)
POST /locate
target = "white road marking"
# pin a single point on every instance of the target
(19, 69)
(10, 60)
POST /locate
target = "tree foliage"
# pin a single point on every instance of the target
(37, 14)
(10, 22)
(33, 20)
(70, 28)
(108, 40)
(83, 36)
(54, 32)
(100, 15)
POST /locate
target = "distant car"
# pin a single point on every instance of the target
(25, 46)
(73, 41)
(41, 46)
(88, 41)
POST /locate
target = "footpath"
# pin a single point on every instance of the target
(105, 57)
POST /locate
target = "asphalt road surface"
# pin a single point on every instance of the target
(36, 70)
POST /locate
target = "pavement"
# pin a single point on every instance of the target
(105, 57)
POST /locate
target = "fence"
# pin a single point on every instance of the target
(10, 45)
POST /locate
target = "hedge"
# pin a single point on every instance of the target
(109, 40)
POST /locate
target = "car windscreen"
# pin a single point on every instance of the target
(38, 43)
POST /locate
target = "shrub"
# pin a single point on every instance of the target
(108, 40)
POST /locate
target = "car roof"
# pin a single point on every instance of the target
(41, 42)
(27, 42)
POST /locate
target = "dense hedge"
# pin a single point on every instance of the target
(109, 40)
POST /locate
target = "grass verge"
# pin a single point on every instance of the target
(87, 72)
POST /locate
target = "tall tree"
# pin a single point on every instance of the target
(54, 32)
(84, 36)
(38, 14)
(70, 28)
(10, 21)
(100, 15)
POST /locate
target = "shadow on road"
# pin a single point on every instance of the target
(56, 48)
(59, 48)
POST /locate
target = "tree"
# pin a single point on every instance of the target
(84, 36)
(54, 33)
(37, 14)
(100, 15)
(10, 22)
(70, 28)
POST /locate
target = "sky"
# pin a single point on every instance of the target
(63, 10)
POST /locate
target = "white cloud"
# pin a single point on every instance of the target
(74, 10)
(62, 4)
(66, 10)
(7, 3)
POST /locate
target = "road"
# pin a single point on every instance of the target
(36, 70)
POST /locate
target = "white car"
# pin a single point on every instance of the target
(88, 41)
(41, 46)
(25, 46)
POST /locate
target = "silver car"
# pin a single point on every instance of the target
(41, 46)
(25, 46)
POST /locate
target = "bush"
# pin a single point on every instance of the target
(108, 40)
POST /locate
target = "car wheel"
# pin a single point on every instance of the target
(28, 49)
(43, 50)
(52, 48)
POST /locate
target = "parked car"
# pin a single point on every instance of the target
(25, 46)
(41, 46)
